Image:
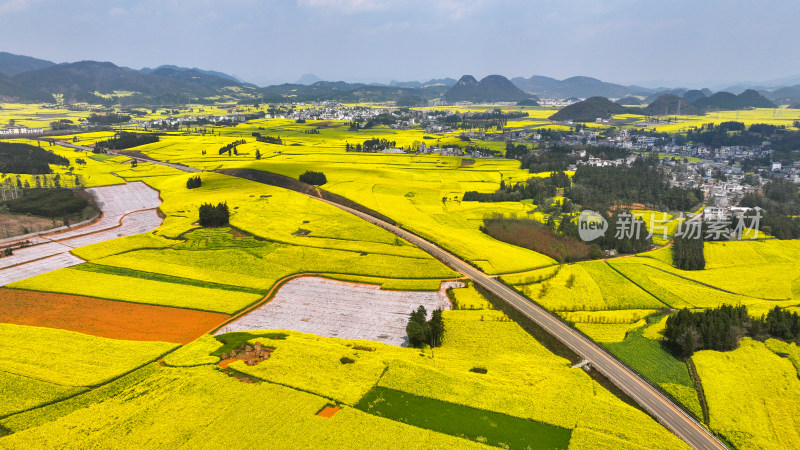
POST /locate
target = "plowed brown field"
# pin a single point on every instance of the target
(105, 318)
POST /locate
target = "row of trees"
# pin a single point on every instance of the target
(231, 148)
(423, 332)
(721, 328)
(268, 139)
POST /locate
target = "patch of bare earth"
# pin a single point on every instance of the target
(105, 318)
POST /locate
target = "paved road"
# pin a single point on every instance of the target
(672, 417)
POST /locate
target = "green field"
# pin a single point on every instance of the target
(482, 426)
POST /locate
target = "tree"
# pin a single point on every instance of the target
(416, 334)
(421, 331)
(194, 182)
(214, 216)
(258, 154)
(687, 253)
(436, 325)
(314, 178)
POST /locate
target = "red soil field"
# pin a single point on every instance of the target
(328, 411)
(105, 318)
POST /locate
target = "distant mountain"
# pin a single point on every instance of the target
(582, 87)
(446, 82)
(80, 81)
(655, 96)
(11, 64)
(308, 79)
(727, 101)
(349, 92)
(194, 77)
(629, 101)
(147, 70)
(589, 110)
(694, 95)
(669, 104)
(493, 88)
(785, 96)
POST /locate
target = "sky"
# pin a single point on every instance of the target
(695, 43)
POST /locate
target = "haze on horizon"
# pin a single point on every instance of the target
(653, 43)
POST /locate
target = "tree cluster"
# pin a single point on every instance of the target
(421, 331)
(721, 328)
(126, 140)
(599, 188)
(536, 189)
(778, 323)
(214, 216)
(52, 203)
(194, 182)
(313, 178)
(24, 158)
(108, 118)
(371, 146)
(61, 124)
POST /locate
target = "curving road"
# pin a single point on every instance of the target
(659, 406)
(671, 416)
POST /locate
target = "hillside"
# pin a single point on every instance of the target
(589, 110)
(11, 64)
(80, 81)
(581, 87)
(493, 88)
(11, 91)
(785, 96)
(446, 82)
(671, 104)
(727, 101)
(693, 95)
(214, 73)
(629, 101)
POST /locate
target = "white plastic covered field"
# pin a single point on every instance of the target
(128, 209)
(341, 309)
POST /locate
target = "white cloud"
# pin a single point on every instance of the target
(117, 12)
(11, 6)
(345, 6)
